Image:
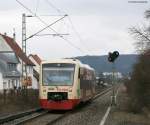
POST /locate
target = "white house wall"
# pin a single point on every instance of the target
(19, 67)
(35, 84)
(1, 82)
(34, 80)
(37, 66)
(4, 46)
(29, 73)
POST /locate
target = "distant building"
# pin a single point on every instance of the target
(9, 47)
(116, 74)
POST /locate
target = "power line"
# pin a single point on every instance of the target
(73, 45)
(68, 41)
(54, 7)
(46, 27)
(35, 15)
(52, 34)
(72, 26)
(37, 5)
(77, 34)
(52, 15)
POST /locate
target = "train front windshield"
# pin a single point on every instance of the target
(58, 74)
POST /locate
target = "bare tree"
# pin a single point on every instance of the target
(142, 35)
(147, 14)
(139, 85)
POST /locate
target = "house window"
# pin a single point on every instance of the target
(9, 84)
(4, 85)
(30, 69)
(11, 66)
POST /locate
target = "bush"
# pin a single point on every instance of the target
(138, 87)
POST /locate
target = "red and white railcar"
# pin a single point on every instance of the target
(65, 83)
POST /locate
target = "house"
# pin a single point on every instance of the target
(36, 69)
(8, 45)
(36, 60)
(116, 74)
(9, 75)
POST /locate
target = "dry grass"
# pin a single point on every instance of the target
(122, 115)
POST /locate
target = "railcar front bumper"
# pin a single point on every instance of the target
(59, 105)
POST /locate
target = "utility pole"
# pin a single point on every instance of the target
(24, 39)
(24, 68)
(24, 33)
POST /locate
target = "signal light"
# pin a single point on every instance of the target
(113, 56)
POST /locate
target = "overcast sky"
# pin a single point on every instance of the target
(101, 25)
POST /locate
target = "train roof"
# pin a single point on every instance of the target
(86, 66)
(73, 61)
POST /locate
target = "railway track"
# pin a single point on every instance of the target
(24, 117)
(70, 112)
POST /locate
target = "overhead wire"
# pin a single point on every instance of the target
(68, 41)
(37, 5)
(72, 25)
(59, 11)
(54, 7)
(52, 15)
(46, 27)
(77, 34)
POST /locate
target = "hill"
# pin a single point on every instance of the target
(124, 63)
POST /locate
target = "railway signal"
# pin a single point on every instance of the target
(113, 56)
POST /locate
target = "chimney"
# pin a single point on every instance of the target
(14, 34)
(5, 34)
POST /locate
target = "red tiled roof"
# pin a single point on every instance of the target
(36, 74)
(36, 58)
(18, 51)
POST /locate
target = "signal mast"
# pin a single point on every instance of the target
(112, 56)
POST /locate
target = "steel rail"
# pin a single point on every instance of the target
(102, 93)
(28, 118)
(70, 112)
(17, 116)
(23, 117)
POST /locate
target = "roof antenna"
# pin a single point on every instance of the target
(14, 34)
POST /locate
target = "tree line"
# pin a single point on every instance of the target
(138, 86)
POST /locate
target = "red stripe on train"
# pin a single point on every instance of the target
(59, 105)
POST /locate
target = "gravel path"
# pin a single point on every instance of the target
(120, 115)
(91, 114)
